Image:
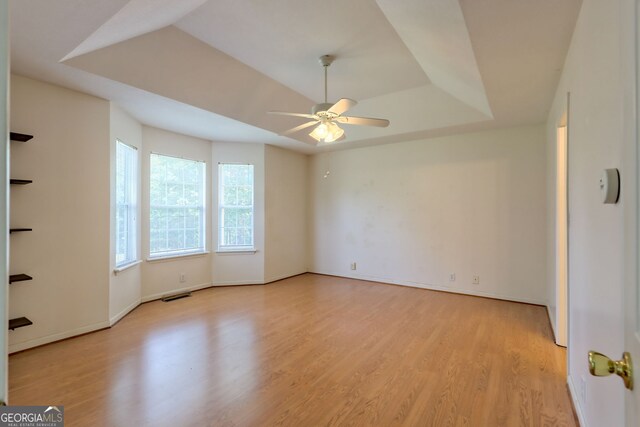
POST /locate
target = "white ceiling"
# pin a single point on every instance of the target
(212, 69)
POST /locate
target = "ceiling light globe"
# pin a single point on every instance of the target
(320, 132)
(335, 132)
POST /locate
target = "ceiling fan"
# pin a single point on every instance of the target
(327, 115)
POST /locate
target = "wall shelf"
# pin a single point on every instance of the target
(19, 323)
(17, 230)
(20, 181)
(19, 278)
(20, 137)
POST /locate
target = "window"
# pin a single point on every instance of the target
(177, 213)
(235, 207)
(126, 203)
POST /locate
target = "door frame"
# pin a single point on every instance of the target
(562, 227)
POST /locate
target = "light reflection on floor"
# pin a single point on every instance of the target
(165, 366)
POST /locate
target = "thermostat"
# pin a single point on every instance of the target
(610, 186)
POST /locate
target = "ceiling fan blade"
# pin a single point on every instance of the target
(365, 121)
(343, 105)
(298, 128)
(282, 113)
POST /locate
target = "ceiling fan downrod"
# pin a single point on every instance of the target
(326, 60)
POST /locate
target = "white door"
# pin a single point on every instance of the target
(4, 192)
(632, 311)
(631, 187)
(622, 365)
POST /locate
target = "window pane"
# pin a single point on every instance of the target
(235, 206)
(177, 199)
(191, 176)
(176, 239)
(245, 195)
(191, 238)
(158, 241)
(176, 219)
(244, 217)
(126, 193)
(158, 219)
(246, 236)
(230, 218)
(192, 218)
(229, 195)
(233, 236)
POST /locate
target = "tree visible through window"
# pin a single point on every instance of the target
(126, 203)
(235, 206)
(177, 206)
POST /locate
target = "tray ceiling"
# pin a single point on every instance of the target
(212, 69)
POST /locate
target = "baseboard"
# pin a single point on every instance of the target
(429, 286)
(159, 295)
(13, 348)
(266, 281)
(115, 319)
(552, 322)
(282, 277)
(238, 283)
(576, 404)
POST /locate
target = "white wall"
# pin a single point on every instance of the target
(4, 192)
(67, 253)
(70, 206)
(412, 213)
(124, 286)
(596, 234)
(241, 268)
(285, 213)
(161, 277)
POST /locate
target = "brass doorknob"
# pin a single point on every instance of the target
(601, 366)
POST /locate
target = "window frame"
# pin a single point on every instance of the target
(132, 170)
(175, 253)
(220, 228)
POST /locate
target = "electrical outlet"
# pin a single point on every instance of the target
(183, 277)
(353, 265)
(452, 277)
(476, 280)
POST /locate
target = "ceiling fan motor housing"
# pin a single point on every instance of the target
(321, 108)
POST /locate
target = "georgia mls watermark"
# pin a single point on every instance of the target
(31, 416)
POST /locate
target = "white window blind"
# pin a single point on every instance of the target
(177, 206)
(126, 203)
(235, 207)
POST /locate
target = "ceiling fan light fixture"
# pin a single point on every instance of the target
(325, 115)
(327, 132)
(335, 132)
(320, 132)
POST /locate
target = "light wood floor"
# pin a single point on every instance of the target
(310, 350)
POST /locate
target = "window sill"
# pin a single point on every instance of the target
(126, 266)
(171, 257)
(236, 251)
